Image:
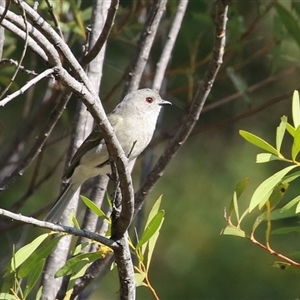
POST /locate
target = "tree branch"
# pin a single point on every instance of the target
(192, 116)
(144, 46)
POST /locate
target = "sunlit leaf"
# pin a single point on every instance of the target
(291, 203)
(265, 189)
(139, 279)
(277, 194)
(79, 248)
(94, 208)
(296, 109)
(23, 253)
(40, 254)
(257, 141)
(152, 227)
(6, 296)
(291, 130)
(296, 143)
(291, 177)
(239, 189)
(280, 133)
(266, 157)
(232, 230)
(72, 263)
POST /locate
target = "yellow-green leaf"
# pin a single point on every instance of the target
(265, 189)
(296, 109)
(280, 132)
(257, 141)
(232, 230)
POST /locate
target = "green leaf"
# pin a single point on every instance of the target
(139, 279)
(151, 228)
(265, 189)
(232, 230)
(257, 141)
(23, 253)
(72, 263)
(291, 203)
(94, 208)
(291, 177)
(296, 144)
(296, 109)
(33, 277)
(277, 214)
(291, 130)
(277, 194)
(280, 132)
(30, 264)
(79, 248)
(5, 296)
(265, 157)
(289, 21)
(285, 230)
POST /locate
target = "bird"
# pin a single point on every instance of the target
(133, 121)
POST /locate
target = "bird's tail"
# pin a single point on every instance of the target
(61, 203)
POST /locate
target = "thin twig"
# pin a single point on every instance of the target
(193, 114)
(60, 228)
(25, 87)
(55, 19)
(110, 19)
(169, 45)
(144, 46)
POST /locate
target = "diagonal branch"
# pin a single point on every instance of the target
(144, 46)
(192, 116)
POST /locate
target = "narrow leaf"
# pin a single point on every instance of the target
(289, 21)
(42, 253)
(70, 265)
(23, 253)
(291, 203)
(265, 189)
(296, 144)
(265, 157)
(152, 227)
(280, 132)
(94, 208)
(291, 130)
(33, 277)
(257, 141)
(5, 296)
(296, 109)
(232, 230)
(239, 189)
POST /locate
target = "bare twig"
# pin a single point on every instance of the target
(40, 141)
(53, 15)
(60, 228)
(193, 114)
(144, 46)
(169, 45)
(25, 87)
(110, 18)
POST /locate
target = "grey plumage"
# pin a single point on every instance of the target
(134, 121)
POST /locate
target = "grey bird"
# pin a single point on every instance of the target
(133, 120)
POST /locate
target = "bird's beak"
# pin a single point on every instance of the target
(164, 102)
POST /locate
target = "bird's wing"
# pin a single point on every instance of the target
(93, 140)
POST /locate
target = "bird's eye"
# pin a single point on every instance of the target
(149, 99)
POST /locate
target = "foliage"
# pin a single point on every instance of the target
(268, 195)
(28, 262)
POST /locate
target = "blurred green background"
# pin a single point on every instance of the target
(191, 260)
